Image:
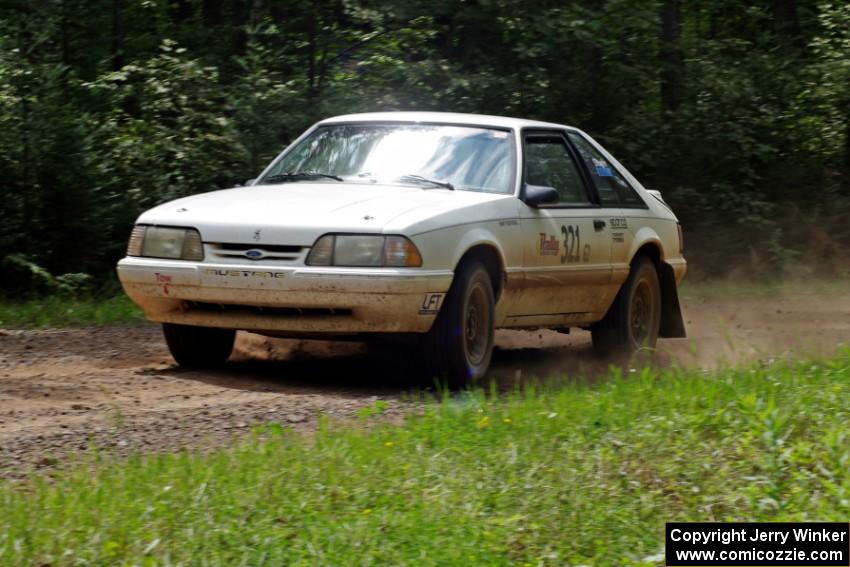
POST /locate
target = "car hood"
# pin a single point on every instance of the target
(298, 213)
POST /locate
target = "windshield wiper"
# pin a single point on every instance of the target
(299, 175)
(420, 179)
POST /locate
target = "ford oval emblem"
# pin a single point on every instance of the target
(254, 254)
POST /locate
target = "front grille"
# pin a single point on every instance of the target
(277, 311)
(230, 251)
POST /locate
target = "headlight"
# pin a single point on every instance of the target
(366, 250)
(166, 242)
(359, 250)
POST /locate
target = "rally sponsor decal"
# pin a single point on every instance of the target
(548, 245)
(431, 303)
(619, 223)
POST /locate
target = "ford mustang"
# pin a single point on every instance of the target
(436, 227)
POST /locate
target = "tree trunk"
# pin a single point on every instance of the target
(312, 32)
(240, 17)
(786, 22)
(847, 145)
(256, 13)
(182, 11)
(211, 13)
(670, 57)
(65, 45)
(117, 50)
(598, 101)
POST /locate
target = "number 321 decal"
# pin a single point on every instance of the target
(573, 251)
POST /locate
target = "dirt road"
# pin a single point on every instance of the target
(62, 391)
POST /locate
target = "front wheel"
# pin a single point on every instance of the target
(198, 347)
(633, 321)
(460, 343)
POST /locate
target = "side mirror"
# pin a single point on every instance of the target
(536, 195)
(250, 182)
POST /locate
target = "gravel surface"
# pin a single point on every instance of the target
(116, 388)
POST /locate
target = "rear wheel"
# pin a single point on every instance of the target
(198, 347)
(633, 321)
(460, 343)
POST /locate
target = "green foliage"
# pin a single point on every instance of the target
(262, 92)
(60, 310)
(488, 480)
(26, 278)
(737, 112)
(74, 284)
(827, 96)
(168, 133)
(23, 275)
(377, 408)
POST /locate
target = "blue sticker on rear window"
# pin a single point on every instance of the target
(602, 169)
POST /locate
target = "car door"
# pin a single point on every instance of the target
(566, 245)
(617, 197)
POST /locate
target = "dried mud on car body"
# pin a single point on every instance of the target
(116, 388)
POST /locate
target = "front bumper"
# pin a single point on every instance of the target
(286, 300)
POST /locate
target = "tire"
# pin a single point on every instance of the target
(460, 344)
(634, 319)
(198, 347)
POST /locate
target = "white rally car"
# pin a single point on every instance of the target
(435, 226)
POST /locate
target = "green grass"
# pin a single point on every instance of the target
(576, 475)
(56, 311)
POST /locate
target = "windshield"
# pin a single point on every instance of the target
(431, 156)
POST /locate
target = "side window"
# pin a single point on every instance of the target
(548, 162)
(614, 190)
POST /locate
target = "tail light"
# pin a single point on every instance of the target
(681, 239)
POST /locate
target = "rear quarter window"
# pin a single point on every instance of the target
(613, 189)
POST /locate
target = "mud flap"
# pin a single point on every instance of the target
(672, 323)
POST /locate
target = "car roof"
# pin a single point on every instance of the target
(443, 118)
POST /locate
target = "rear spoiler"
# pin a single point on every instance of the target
(657, 194)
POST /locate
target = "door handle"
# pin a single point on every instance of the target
(598, 224)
